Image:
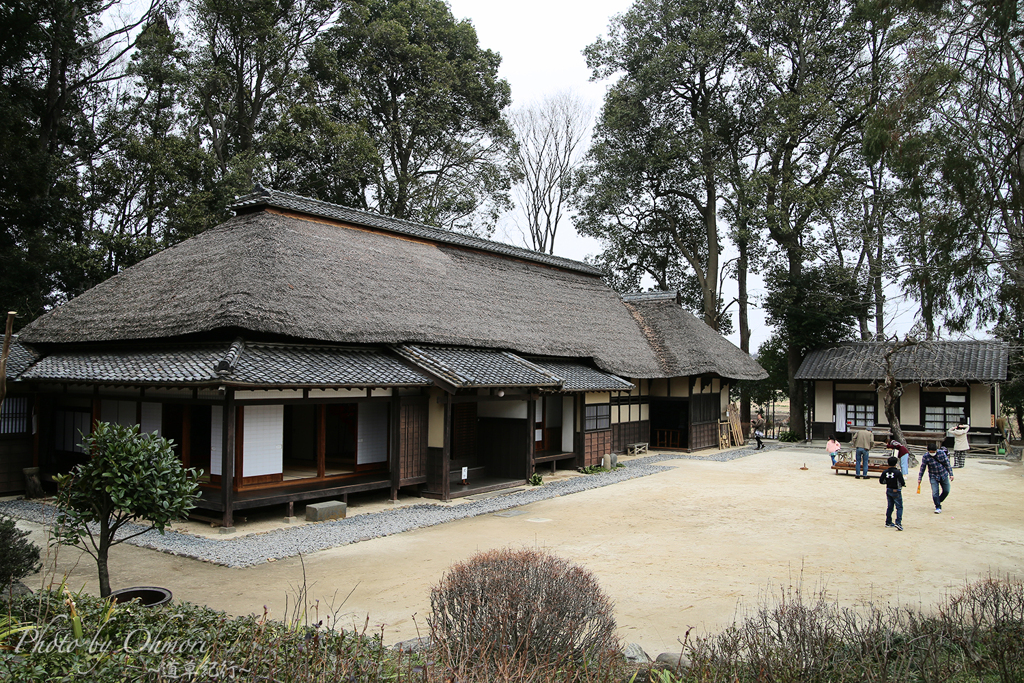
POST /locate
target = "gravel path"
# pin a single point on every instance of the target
(253, 549)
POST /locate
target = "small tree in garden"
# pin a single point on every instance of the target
(508, 612)
(129, 477)
(18, 556)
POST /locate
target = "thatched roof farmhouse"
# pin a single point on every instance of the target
(303, 350)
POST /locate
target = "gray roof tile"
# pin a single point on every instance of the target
(20, 358)
(466, 367)
(288, 364)
(933, 361)
(254, 364)
(579, 377)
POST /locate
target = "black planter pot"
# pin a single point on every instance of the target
(149, 596)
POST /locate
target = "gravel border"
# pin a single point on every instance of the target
(254, 549)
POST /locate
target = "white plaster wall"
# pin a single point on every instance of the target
(515, 410)
(981, 406)
(599, 397)
(823, 402)
(243, 394)
(680, 386)
(910, 404)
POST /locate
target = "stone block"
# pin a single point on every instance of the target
(329, 509)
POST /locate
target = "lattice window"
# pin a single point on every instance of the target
(15, 415)
(598, 416)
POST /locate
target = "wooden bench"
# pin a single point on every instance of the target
(846, 461)
(636, 448)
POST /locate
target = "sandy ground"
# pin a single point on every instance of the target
(692, 546)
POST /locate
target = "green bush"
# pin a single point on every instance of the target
(788, 437)
(184, 642)
(521, 615)
(18, 556)
(536, 479)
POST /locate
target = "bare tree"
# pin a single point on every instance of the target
(549, 136)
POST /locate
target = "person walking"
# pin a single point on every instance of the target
(832, 447)
(758, 424)
(960, 444)
(902, 452)
(894, 482)
(940, 474)
(862, 441)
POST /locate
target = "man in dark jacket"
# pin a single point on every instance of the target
(894, 482)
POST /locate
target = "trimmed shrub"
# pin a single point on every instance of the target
(788, 437)
(18, 556)
(509, 613)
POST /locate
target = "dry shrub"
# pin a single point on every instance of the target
(521, 615)
(986, 621)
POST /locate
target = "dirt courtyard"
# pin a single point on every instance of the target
(691, 546)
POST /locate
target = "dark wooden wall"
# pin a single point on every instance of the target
(503, 442)
(464, 436)
(413, 440)
(15, 454)
(595, 446)
(625, 433)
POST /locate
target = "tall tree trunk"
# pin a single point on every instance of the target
(741, 281)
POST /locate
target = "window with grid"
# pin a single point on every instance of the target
(941, 418)
(14, 415)
(598, 416)
(861, 407)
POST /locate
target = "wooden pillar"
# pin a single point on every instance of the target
(321, 441)
(227, 459)
(577, 430)
(446, 456)
(531, 436)
(395, 442)
(186, 435)
(37, 427)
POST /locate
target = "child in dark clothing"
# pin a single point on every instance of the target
(893, 481)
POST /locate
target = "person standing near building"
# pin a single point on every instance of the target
(893, 481)
(863, 439)
(758, 424)
(902, 453)
(960, 444)
(940, 474)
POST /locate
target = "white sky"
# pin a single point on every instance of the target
(541, 44)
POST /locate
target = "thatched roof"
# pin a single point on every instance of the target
(325, 274)
(686, 345)
(928, 362)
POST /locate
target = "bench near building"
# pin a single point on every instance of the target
(303, 351)
(943, 383)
